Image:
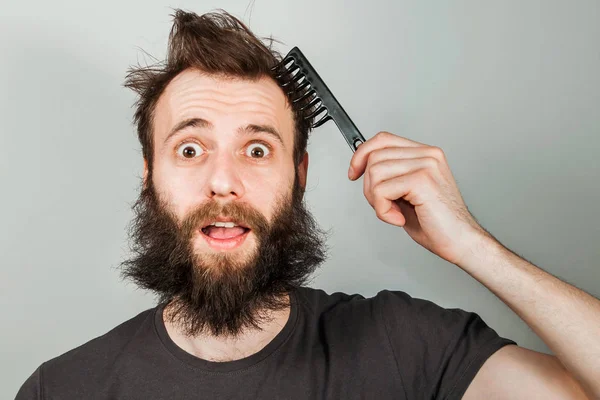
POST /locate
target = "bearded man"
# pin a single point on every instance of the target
(223, 238)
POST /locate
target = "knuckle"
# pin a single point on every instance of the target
(424, 174)
(429, 179)
(379, 155)
(431, 162)
(376, 169)
(437, 152)
(378, 190)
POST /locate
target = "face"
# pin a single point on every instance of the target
(237, 147)
(223, 150)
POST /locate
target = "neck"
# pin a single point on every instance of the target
(226, 348)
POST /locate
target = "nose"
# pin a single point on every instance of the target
(224, 181)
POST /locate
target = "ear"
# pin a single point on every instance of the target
(303, 171)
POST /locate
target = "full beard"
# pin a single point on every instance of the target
(222, 293)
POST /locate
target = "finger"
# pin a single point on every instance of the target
(405, 152)
(409, 214)
(384, 196)
(379, 141)
(389, 169)
(385, 154)
(385, 193)
(399, 153)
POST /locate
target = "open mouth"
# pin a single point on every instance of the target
(224, 232)
(224, 235)
(224, 238)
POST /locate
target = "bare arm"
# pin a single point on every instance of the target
(566, 318)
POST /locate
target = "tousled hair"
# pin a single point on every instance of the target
(215, 43)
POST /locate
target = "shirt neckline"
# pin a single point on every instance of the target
(226, 366)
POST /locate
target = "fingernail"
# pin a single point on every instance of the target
(350, 173)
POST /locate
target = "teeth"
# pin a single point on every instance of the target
(224, 224)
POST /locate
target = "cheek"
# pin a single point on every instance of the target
(175, 187)
(261, 192)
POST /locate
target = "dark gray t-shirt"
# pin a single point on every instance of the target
(334, 346)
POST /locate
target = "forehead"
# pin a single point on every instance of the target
(224, 101)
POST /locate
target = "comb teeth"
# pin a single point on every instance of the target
(300, 88)
(322, 121)
(297, 86)
(305, 89)
(311, 104)
(294, 80)
(317, 112)
(305, 96)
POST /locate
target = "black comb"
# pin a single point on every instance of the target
(303, 84)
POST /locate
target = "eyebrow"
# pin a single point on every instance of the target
(245, 130)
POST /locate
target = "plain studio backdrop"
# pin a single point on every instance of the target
(509, 90)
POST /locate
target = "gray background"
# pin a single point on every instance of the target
(509, 90)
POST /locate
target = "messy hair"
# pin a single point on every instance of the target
(215, 43)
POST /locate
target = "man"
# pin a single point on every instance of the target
(223, 238)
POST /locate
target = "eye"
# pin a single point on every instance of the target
(189, 150)
(258, 150)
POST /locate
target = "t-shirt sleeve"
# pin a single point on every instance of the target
(438, 351)
(30, 390)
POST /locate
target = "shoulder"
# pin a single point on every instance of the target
(399, 303)
(340, 306)
(101, 347)
(320, 301)
(74, 367)
(399, 310)
(402, 316)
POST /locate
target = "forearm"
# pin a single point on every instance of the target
(566, 318)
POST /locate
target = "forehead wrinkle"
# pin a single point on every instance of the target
(211, 104)
(266, 86)
(205, 110)
(190, 92)
(252, 97)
